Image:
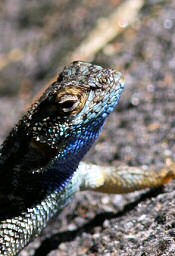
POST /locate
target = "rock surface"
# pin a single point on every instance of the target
(140, 132)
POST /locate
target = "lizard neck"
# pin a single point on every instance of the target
(24, 161)
(75, 147)
(17, 163)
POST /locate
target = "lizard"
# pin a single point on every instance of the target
(41, 165)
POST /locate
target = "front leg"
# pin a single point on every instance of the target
(123, 179)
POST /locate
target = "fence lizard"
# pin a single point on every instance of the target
(40, 161)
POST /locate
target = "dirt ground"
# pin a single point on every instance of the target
(35, 39)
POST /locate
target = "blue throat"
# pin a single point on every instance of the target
(61, 170)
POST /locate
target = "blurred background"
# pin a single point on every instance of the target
(136, 37)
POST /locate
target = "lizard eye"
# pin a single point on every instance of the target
(71, 100)
(68, 103)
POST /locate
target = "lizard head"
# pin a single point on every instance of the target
(56, 132)
(68, 117)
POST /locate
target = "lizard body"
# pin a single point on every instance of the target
(40, 161)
